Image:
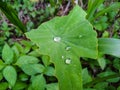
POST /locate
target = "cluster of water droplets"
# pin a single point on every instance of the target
(67, 60)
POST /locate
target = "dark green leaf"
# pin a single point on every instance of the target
(3, 86)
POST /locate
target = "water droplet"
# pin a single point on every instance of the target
(57, 39)
(62, 57)
(68, 48)
(68, 61)
(80, 36)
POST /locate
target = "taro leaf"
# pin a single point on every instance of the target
(10, 75)
(7, 54)
(65, 39)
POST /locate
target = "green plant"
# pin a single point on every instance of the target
(65, 40)
(66, 44)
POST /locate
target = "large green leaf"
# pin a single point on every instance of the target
(65, 39)
(10, 75)
(109, 46)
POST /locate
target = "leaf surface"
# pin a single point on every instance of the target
(10, 75)
(7, 54)
(109, 46)
(65, 39)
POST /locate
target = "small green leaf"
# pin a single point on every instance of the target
(23, 60)
(10, 75)
(19, 86)
(116, 63)
(2, 65)
(46, 60)
(49, 71)
(65, 39)
(31, 69)
(101, 86)
(23, 77)
(85, 76)
(1, 76)
(7, 54)
(102, 62)
(38, 82)
(52, 86)
(3, 86)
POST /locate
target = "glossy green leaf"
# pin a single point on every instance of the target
(31, 69)
(10, 75)
(38, 82)
(7, 54)
(25, 59)
(109, 46)
(65, 39)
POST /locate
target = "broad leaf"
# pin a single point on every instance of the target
(65, 39)
(109, 46)
(10, 75)
(38, 83)
(7, 54)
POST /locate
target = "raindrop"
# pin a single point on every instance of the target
(68, 48)
(68, 61)
(57, 39)
(62, 57)
(80, 36)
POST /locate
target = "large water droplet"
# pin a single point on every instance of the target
(67, 48)
(68, 61)
(57, 39)
(62, 57)
(80, 36)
